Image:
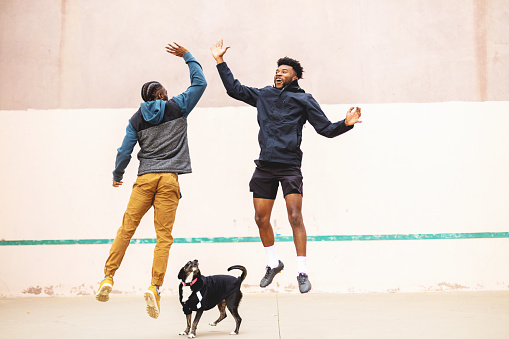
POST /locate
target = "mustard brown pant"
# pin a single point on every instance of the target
(162, 191)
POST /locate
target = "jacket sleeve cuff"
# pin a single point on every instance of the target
(349, 127)
(188, 57)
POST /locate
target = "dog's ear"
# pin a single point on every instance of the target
(182, 274)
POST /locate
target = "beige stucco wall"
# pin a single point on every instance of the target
(97, 54)
(432, 78)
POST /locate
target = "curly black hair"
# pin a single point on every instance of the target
(149, 90)
(293, 63)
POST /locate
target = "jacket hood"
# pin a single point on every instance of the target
(292, 87)
(153, 111)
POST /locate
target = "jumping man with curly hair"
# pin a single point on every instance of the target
(283, 109)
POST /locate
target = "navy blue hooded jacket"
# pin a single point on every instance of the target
(281, 115)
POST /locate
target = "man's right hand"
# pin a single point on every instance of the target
(218, 51)
(176, 50)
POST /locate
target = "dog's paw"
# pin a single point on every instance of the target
(233, 333)
(183, 333)
(213, 323)
(191, 336)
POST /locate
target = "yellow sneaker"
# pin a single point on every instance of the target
(103, 293)
(152, 298)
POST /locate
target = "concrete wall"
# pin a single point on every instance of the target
(97, 54)
(408, 169)
(432, 78)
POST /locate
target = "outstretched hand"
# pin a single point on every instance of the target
(218, 51)
(352, 116)
(176, 50)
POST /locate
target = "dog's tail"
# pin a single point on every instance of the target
(242, 268)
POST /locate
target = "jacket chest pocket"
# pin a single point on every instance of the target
(277, 112)
(287, 110)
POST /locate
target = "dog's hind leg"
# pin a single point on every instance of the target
(188, 319)
(222, 313)
(232, 302)
(195, 324)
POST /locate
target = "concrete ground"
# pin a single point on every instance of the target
(315, 315)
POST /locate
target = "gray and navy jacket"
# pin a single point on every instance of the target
(281, 115)
(161, 129)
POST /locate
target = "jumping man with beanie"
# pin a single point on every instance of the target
(160, 127)
(283, 109)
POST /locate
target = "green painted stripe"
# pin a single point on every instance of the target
(216, 240)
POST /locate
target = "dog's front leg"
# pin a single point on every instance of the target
(195, 323)
(188, 319)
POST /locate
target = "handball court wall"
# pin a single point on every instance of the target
(413, 199)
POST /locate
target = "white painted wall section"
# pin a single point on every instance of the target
(407, 169)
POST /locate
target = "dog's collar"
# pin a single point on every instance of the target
(191, 283)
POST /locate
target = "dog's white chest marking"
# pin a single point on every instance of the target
(186, 289)
(187, 292)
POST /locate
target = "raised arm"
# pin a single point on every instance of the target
(233, 87)
(188, 99)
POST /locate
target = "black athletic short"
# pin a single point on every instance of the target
(267, 176)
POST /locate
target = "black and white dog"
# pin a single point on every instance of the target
(201, 293)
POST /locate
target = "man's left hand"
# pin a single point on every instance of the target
(352, 116)
(117, 183)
